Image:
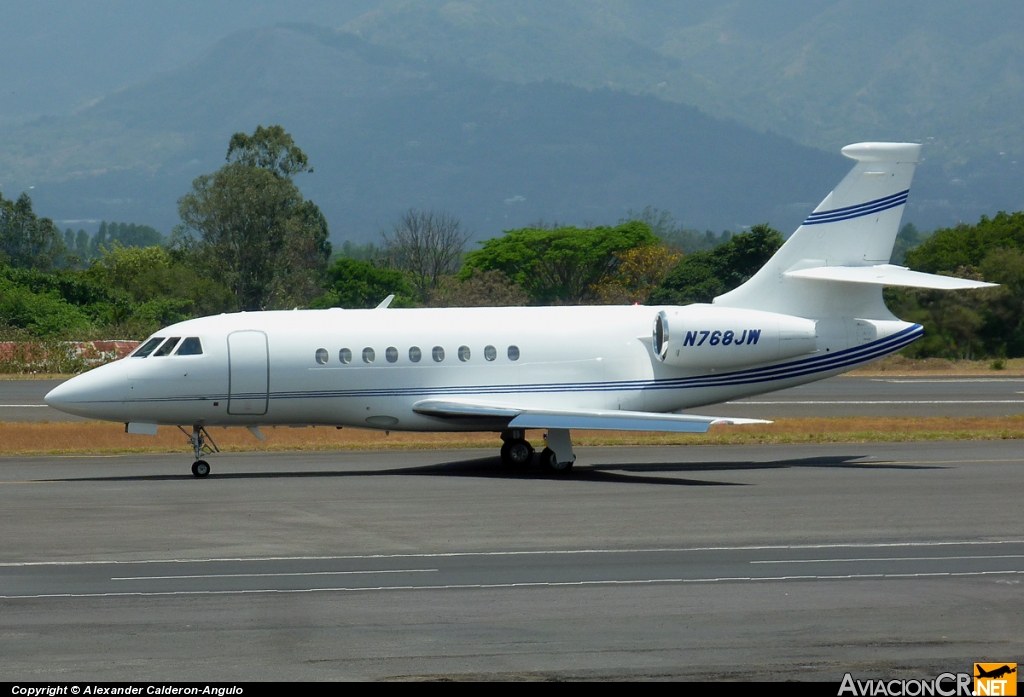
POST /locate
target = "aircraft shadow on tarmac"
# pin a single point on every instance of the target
(835, 461)
(491, 468)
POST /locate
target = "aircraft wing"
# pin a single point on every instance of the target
(592, 419)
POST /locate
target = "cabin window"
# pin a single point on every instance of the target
(391, 353)
(438, 354)
(490, 353)
(321, 356)
(168, 346)
(190, 347)
(464, 353)
(345, 355)
(415, 354)
(368, 355)
(513, 353)
(147, 348)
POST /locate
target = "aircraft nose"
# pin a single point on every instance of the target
(88, 394)
(62, 395)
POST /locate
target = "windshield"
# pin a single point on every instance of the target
(147, 348)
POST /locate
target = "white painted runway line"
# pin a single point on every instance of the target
(518, 553)
(861, 559)
(880, 401)
(296, 573)
(526, 585)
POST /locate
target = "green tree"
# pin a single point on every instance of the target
(357, 284)
(147, 274)
(481, 289)
(82, 245)
(702, 276)
(124, 234)
(664, 226)
(368, 252)
(250, 225)
(641, 270)
(44, 313)
(270, 149)
(908, 238)
(98, 242)
(563, 265)
(966, 245)
(134, 235)
(428, 245)
(969, 324)
(26, 240)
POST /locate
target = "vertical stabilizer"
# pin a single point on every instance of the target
(856, 225)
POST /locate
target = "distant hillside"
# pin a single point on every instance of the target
(945, 73)
(385, 132)
(823, 72)
(59, 56)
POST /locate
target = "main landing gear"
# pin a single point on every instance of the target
(199, 438)
(516, 452)
(557, 458)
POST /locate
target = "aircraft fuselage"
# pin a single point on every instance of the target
(286, 368)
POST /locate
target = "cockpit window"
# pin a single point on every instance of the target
(190, 347)
(147, 348)
(167, 347)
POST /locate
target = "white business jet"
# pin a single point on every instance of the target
(813, 311)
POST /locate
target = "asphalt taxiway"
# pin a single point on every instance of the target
(782, 562)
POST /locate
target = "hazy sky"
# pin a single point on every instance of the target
(60, 54)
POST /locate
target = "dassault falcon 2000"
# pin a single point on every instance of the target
(813, 311)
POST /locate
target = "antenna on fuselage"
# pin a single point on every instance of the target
(385, 302)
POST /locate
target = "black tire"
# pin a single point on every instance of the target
(516, 453)
(200, 468)
(551, 464)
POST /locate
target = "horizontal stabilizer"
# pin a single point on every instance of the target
(598, 420)
(886, 275)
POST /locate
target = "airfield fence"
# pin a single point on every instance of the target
(60, 356)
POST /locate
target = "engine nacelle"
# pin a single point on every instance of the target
(705, 336)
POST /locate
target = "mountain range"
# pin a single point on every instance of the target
(505, 113)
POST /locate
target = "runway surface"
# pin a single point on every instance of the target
(782, 562)
(888, 396)
(22, 400)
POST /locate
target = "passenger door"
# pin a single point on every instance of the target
(248, 373)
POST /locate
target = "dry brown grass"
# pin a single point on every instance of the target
(901, 365)
(96, 437)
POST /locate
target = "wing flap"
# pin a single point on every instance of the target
(886, 275)
(590, 419)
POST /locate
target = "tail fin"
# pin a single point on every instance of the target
(855, 226)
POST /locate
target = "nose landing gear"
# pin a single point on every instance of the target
(199, 438)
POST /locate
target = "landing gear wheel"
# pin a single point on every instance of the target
(200, 468)
(516, 453)
(550, 462)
